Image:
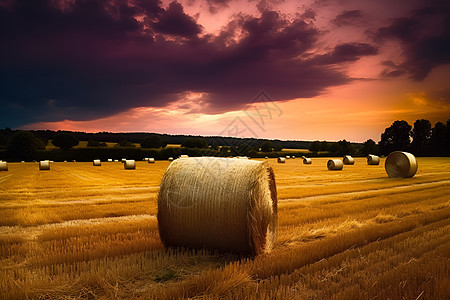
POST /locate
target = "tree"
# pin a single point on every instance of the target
(314, 147)
(152, 141)
(195, 143)
(369, 147)
(214, 145)
(343, 148)
(277, 146)
(266, 146)
(438, 139)
(65, 141)
(125, 144)
(3, 141)
(24, 145)
(395, 138)
(93, 143)
(421, 135)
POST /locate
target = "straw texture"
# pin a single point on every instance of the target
(219, 203)
(44, 165)
(151, 160)
(348, 160)
(373, 160)
(281, 160)
(97, 162)
(129, 164)
(307, 161)
(401, 165)
(3, 166)
(335, 164)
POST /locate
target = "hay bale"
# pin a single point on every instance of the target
(288, 157)
(3, 166)
(303, 157)
(97, 162)
(281, 160)
(293, 157)
(184, 156)
(307, 161)
(151, 160)
(110, 160)
(44, 165)
(124, 159)
(170, 159)
(22, 162)
(335, 164)
(129, 164)
(219, 203)
(116, 160)
(74, 160)
(401, 165)
(266, 157)
(348, 160)
(373, 160)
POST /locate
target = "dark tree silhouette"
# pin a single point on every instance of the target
(125, 144)
(65, 141)
(369, 147)
(3, 141)
(396, 137)
(421, 135)
(24, 145)
(438, 138)
(314, 147)
(343, 148)
(277, 146)
(94, 143)
(152, 141)
(195, 143)
(266, 146)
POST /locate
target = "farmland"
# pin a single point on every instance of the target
(79, 231)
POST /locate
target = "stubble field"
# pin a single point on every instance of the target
(79, 231)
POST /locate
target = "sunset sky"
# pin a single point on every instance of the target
(305, 69)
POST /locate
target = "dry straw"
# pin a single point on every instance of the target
(44, 165)
(281, 160)
(151, 160)
(3, 166)
(373, 160)
(129, 164)
(219, 203)
(401, 165)
(335, 164)
(307, 161)
(348, 160)
(97, 162)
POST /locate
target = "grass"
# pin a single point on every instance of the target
(79, 231)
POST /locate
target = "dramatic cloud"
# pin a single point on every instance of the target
(348, 17)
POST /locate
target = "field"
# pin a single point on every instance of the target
(79, 231)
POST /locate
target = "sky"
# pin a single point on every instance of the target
(282, 69)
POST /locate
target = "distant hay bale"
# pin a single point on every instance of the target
(22, 161)
(303, 157)
(373, 160)
(124, 159)
(184, 156)
(307, 161)
(3, 166)
(266, 157)
(116, 160)
(335, 164)
(44, 165)
(151, 160)
(110, 160)
(293, 157)
(97, 162)
(74, 160)
(242, 157)
(145, 159)
(348, 160)
(129, 164)
(218, 203)
(170, 159)
(400, 164)
(281, 160)
(288, 157)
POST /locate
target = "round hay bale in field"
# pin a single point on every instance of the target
(74, 160)
(293, 157)
(151, 160)
(335, 164)
(65, 161)
(124, 159)
(373, 160)
(266, 157)
(170, 159)
(44, 165)
(116, 160)
(219, 203)
(3, 166)
(307, 161)
(288, 157)
(129, 164)
(401, 165)
(22, 162)
(348, 160)
(97, 162)
(110, 160)
(303, 157)
(281, 160)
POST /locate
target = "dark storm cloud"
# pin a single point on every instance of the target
(89, 59)
(425, 38)
(348, 17)
(215, 5)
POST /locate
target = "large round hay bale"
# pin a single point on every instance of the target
(335, 164)
(219, 203)
(281, 160)
(151, 160)
(97, 162)
(400, 164)
(3, 166)
(373, 160)
(348, 160)
(129, 164)
(307, 161)
(170, 159)
(44, 165)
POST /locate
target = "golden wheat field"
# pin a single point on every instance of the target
(79, 231)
